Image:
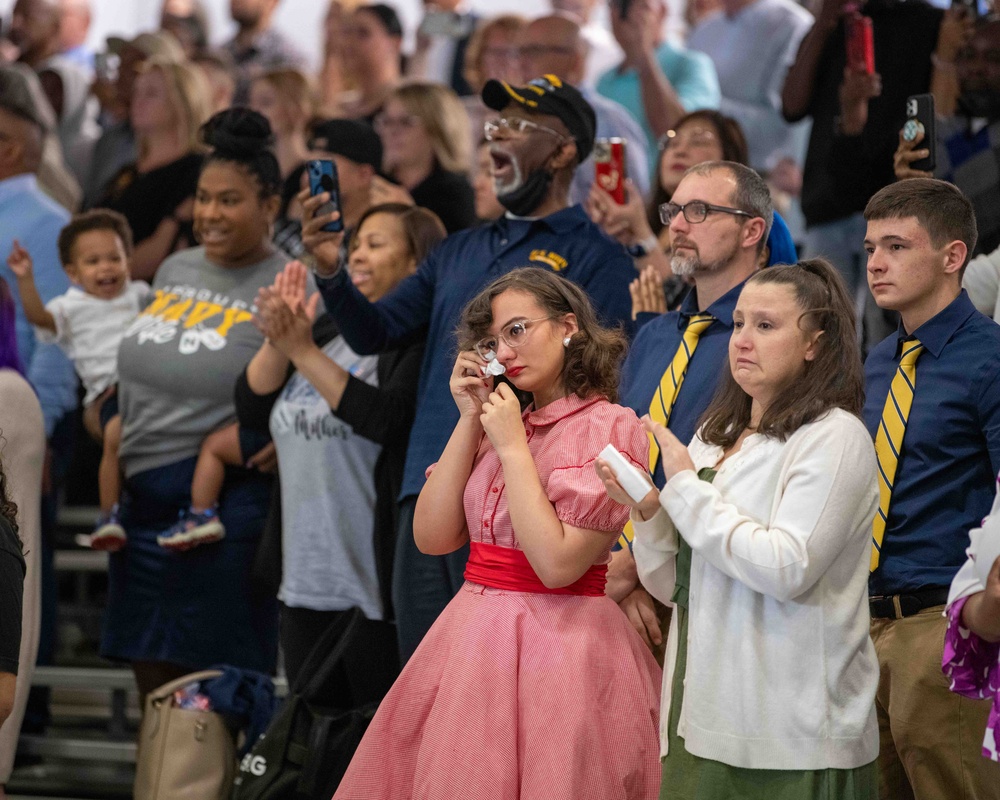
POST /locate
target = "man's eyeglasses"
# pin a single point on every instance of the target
(697, 211)
(514, 334)
(516, 126)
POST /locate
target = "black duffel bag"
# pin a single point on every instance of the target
(305, 750)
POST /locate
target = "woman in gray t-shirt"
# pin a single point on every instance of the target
(340, 423)
(171, 612)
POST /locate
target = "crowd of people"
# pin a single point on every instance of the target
(397, 399)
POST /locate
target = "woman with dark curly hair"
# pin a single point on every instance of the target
(531, 640)
(174, 610)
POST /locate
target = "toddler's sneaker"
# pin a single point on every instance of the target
(109, 534)
(192, 529)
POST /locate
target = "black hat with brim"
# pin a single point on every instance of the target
(549, 95)
(349, 138)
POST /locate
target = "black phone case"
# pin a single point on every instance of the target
(323, 178)
(920, 108)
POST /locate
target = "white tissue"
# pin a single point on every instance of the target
(494, 368)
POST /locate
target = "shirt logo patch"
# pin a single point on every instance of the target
(181, 314)
(553, 261)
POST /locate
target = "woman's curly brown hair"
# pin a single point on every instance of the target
(8, 508)
(594, 353)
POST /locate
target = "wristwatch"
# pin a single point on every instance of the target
(643, 248)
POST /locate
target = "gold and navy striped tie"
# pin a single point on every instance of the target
(889, 438)
(666, 393)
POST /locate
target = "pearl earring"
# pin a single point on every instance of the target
(566, 342)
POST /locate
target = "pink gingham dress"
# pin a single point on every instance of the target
(517, 695)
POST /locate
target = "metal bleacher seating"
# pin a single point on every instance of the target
(88, 749)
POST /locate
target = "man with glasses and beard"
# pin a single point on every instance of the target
(719, 219)
(542, 132)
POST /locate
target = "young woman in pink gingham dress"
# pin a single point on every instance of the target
(521, 691)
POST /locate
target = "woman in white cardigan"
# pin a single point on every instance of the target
(760, 539)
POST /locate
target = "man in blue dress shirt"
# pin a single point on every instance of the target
(542, 133)
(719, 253)
(30, 216)
(933, 406)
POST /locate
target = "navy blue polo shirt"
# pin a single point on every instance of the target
(946, 473)
(431, 301)
(654, 348)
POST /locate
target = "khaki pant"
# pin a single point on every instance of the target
(931, 738)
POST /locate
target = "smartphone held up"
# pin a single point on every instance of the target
(609, 167)
(920, 119)
(860, 43)
(323, 178)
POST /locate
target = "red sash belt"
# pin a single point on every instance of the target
(507, 568)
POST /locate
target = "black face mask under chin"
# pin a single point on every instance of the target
(981, 103)
(523, 200)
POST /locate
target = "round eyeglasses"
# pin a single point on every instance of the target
(697, 211)
(513, 334)
(518, 126)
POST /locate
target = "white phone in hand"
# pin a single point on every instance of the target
(633, 481)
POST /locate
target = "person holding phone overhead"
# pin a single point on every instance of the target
(854, 116)
(340, 424)
(760, 539)
(966, 143)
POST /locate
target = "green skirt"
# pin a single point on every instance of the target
(690, 777)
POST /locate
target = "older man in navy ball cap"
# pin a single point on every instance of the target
(539, 121)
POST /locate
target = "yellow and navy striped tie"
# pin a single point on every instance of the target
(666, 393)
(889, 438)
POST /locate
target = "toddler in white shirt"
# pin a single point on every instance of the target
(88, 323)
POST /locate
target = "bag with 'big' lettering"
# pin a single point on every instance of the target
(305, 750)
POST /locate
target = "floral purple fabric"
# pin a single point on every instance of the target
(973, 666)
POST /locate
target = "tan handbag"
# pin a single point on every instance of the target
(184, 754)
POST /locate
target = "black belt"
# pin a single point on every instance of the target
(897, 606)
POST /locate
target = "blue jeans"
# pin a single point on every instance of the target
(422, 585)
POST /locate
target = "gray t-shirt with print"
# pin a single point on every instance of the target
(179, 360)
(327, 496)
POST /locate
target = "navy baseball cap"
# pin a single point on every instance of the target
(549, 94)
